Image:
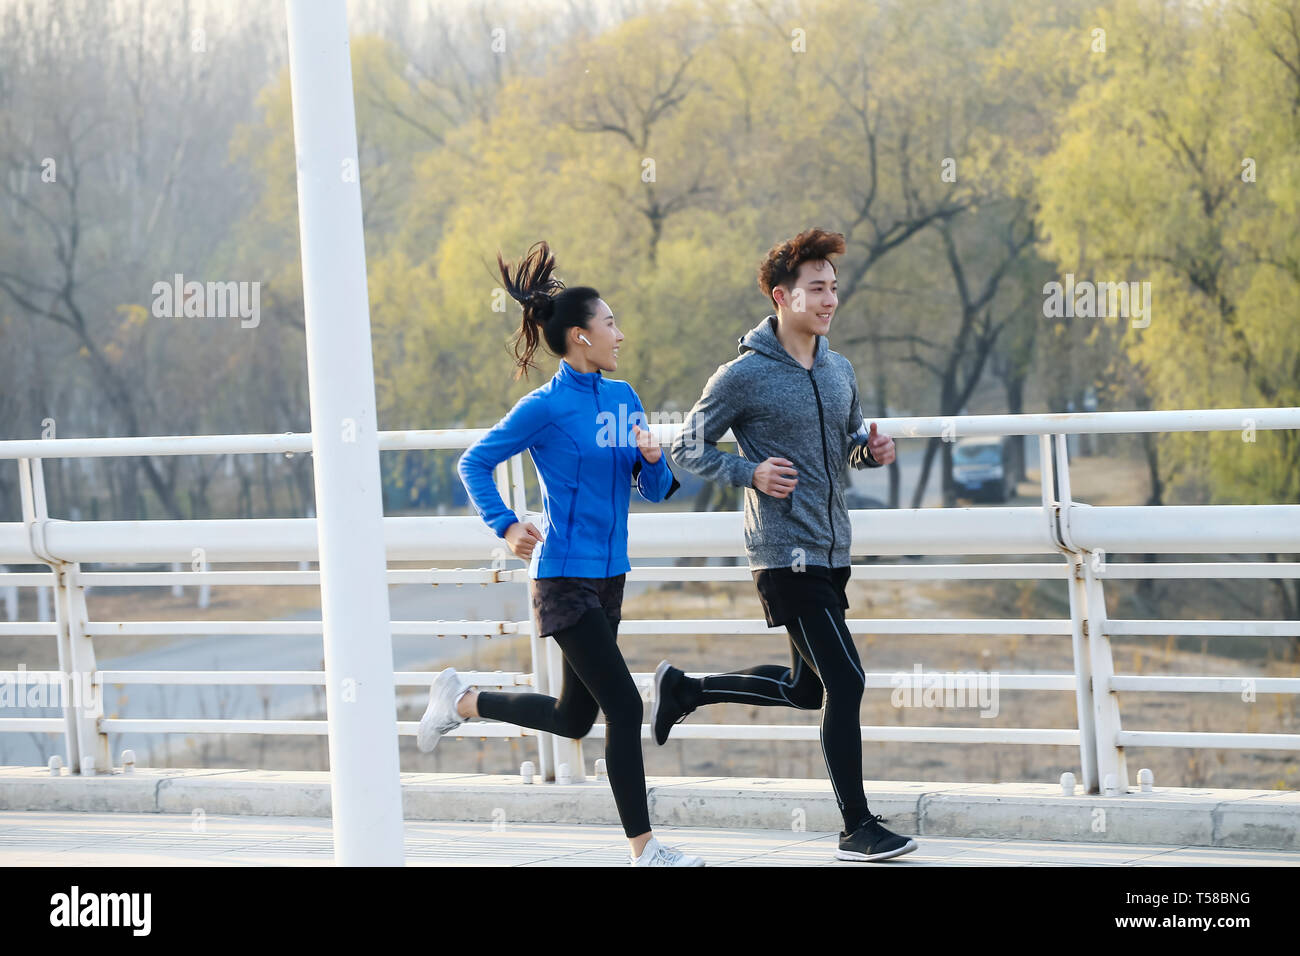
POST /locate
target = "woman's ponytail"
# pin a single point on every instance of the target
(530, 286)
(549, 309)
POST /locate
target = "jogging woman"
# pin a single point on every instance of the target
(576, 427)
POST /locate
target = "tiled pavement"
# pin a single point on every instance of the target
(41, 838)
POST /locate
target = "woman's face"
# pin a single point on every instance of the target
(603, 334)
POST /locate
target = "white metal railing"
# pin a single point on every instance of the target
(1078, 535)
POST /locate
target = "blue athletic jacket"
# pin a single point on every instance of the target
(578, 429)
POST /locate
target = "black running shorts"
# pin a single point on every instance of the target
(785, 592)
(560, 602)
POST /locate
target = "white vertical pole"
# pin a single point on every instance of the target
(1105, 702)
(1081, 648)
(361, 703)
(536, 647)
(11, 598)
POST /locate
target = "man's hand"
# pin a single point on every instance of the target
(522, 537)
(881, 446)
(645, 441)
(776, 477)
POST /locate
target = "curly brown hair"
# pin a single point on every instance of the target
(780, 267)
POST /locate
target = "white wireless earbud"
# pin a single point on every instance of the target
(584, 338)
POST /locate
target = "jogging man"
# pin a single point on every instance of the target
(792, 404)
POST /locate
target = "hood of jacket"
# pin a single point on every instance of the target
(762, 339)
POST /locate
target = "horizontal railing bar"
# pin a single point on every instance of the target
(875, 679)
(434, 576)
(727, 626)
(900, 679)
(1058, 737)
(1061, 423)
(863, 572)
(1204, 628)
(1203, 569)
(856, 626)
(870, 572)
(473, 729)
(286, 678)
(1206, 685)
(288, 628)
(27, 579)
(29, 628)
(405, 728)
(1154, 738)
(20, 725)
(1007, 570)
(1016, 532)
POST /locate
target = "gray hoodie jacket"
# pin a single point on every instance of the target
(778, 409)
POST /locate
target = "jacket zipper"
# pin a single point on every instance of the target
(613, 477)
(826, 462)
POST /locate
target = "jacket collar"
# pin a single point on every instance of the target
(584, 381)
(762, 338)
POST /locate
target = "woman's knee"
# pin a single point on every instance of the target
(625, 707)
(574, 718)
(574, 726)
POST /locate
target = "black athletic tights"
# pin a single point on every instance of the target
(823, 657)
(595, 677)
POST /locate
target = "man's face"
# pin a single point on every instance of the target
(809, 305)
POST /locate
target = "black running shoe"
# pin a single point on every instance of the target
(666, 711)
(871, 843)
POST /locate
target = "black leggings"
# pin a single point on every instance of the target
(595, 676)
(823, 657)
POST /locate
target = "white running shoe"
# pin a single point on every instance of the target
(440, 716)
(656, 854)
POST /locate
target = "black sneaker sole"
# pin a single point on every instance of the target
(850, 855)
(660, 672)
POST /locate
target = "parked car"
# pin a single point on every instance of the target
(979, 469)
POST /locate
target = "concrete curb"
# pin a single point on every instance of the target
(1258, 819)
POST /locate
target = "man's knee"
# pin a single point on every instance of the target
(846, 687)
(806, 695)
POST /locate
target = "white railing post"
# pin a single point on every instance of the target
(1057, 502)
(1105, 702)
(1093, 657)
(31, 484)
(361, 699)
(1080, 647)
(85, 697)
(566, 751)
(11, 598)
(1055, 480)
(536, 646)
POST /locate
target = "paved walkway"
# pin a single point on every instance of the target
(39, 838)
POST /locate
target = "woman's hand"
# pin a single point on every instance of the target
(646, 443)
(522, 537)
